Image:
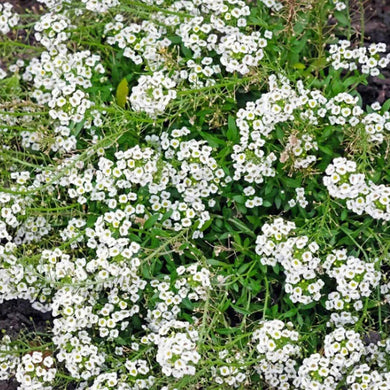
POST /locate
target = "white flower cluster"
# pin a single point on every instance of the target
(267, 244)
(277, 346)
(176, 349)
(255, 123)
(343, 182)
(35, 371)
(81, 357)
(17, 281)
(141, 42)
(342, 349)
(198, 36)
(32, 229)
(296, 255)
(150, 171)
(60, 80)
(100, 6)
(56, 265)
(240, 52)
(364, 377)
(374, 123)
(8, 360)
(217, 26)
(300, 200)
(27, 229)
(8, 18)
(343, 109)
(252, 199)
(222, 19)
(301, 265)
(274, 5)
(102, 293)
(193, 284)
(297, 149)
(355, 279)
(317, 372)
(52, 30)
(368, 59)
(260, 119)
(113, 271)
(11, 207)
(228, 10)
(339, 5)
(79, 309)
(201, 72)
(233, 371)
(153, 93)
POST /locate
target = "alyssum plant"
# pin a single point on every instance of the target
(197, 194)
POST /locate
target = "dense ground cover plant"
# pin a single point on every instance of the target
(198, 195)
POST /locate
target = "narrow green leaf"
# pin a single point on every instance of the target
(386, 106)
(242, 226)
(121, 93)
(151, 221)
(232, 133)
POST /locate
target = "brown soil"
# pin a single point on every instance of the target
(21, 6)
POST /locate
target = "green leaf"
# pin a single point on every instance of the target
(239, 199)
(308, 306)
(386, 106)
(212, 140)
(242, 226)
(232, 133)
(174, 39)
(243, 268)
(120, 341)
(218, 263)
(240, 310)
(166, 215)
(151, 221)
(290, 313)
(292, 183)
(341, 18)
(121, 93)
(279, 133)
(10, 85)
(206, 225)
(326, 150)
(227, 330)
(350, 81)
(299, 66)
